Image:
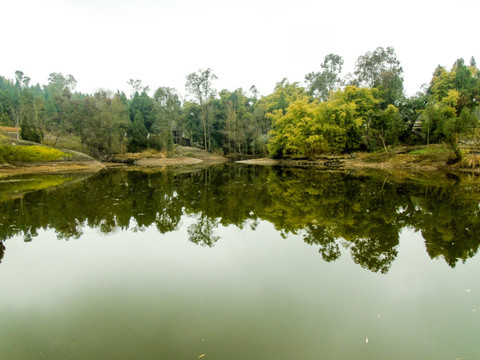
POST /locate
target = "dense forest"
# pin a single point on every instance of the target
(365, 110)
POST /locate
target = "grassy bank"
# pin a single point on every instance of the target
(30, 153)
(21, 157)
(427, 158)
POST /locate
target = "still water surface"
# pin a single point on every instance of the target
(239, 262)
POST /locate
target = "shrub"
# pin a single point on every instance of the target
(30, 153)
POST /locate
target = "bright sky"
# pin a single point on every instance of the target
(103, 43)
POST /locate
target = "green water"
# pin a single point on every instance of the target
(242, 262)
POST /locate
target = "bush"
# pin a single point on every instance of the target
(30, 153)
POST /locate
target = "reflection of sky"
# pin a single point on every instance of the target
(253, 295)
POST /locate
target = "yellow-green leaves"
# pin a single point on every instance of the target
(30, 153)
(309, 128)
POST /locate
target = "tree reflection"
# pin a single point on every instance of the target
(323, 236)
(450, 225)
(2, 250)
(201, 232)
(330, 210)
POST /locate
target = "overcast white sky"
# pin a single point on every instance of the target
(103, 43)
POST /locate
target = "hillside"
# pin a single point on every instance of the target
(20, 156)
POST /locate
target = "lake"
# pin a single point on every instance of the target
(239, 262)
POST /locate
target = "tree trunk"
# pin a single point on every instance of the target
(428, 135)
(204, 121)
(17, 125)
(384, 145)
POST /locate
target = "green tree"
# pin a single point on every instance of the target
(199, 85)
(137, 87)
(238, 123)
(320, 84)
(142, 103)
(137, 134)
(59, 106)
(27, 107)
(353, 110)
(105, 125)
(57, 83)
(452, 108)
(6, 91)
(462, 78)
(284, 93)
(340, 124)
(297, 132)
(167, 111)
(31, 113)
(388, 126)
(381, 69)
(441, 117)
(190, 123)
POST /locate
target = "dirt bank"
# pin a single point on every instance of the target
(180, 160)
(180, 156)
(51, 167)
(25, 157)
(404, 160)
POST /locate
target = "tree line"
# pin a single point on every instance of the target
(364, 110)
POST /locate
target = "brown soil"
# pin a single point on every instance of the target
(261, 161)
(181, 155)
(149, 162)
(51, 167)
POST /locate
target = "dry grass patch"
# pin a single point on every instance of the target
(7, 129)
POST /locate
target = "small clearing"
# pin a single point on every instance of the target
(180, 155)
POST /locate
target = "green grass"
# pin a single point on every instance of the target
(430, 150)
(67, 141)
(29, 153)
(418, 152)
(377, 156)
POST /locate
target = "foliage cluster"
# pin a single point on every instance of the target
(30, 153)
(371, 111)
(349, 120)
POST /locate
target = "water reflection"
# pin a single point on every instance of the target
(332, 211)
